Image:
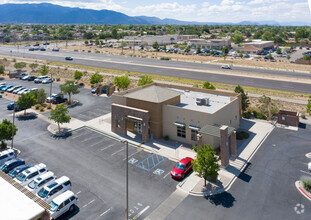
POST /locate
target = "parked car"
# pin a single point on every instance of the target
(57, 99)
(11, 106)
(11, 164)
(308, 48)
(13, 173)
(47, 80)
(309, 166)
(26, 77)
(51, 190)
(225, 67)
(68, 58)
(31, 49)
(22, 75)
(42, 49)
(40, 78)
(27, 45)
(3, 84)
(31, 78)
(22, 91)
(46, 43)
(39, 182)
(183, 167)
(6, 88)
(7, 155)
(36, 45)
(63, 203)
(55, 49)
(0, 95)
(13, 88)
(15, 91)
(28, 175)
(246, 56)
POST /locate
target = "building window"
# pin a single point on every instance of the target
(194, 134)
(181, 131)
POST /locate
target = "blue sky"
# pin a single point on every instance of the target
(199, 10)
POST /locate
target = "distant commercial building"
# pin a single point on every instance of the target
(211, 44)
(257, 46)
(187, 115)
(19, 203)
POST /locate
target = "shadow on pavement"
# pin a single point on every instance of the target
(244, 176)
(302, 125)
(69, 215)
(57, 137)
(30, 116)
(224, 199)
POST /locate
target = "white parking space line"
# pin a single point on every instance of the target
(78, 193)
(111, 145)
(118, 151)
(104, 212)
(88, 203)
(78, 136)
(166, 175)
(88, 139)
(305, 172)
(95, 143)
(133, 154)
(141, 212)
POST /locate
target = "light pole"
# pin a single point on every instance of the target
(51, 86)
(127, 179)
(13, 123)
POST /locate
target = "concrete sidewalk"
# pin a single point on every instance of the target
(259, 131)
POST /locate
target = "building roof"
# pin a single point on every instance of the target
(155, 94)
(258, 42)
(15, 204)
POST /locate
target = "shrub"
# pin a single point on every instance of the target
(165, 58)
(246, 115)
(57, 79)
(41, 109)
(49, 106)
(259, 115)
(37, 106)
(97, 51)
(242, 135)
(14, 60)
(306, 183)
(75, 50)
(5, 59)
(166, 137)
(303, 115)
(89, 51)
(2, 69)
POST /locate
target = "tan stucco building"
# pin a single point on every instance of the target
(185, 114)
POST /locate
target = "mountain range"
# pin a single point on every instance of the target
(45, 13)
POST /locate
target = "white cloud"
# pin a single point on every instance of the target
(206, 4)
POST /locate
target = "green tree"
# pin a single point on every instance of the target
(164, 47)
(241, 55)
(306, 57)
(198, 49)
(78, 75)
(278, 51)
(123, 44)
(86, 42)
(155, 45)
(208, 85)
(122, 82)
(144, 80)
(33, 66)
(238, 38)
(309, 107)
(267, 106)
(40, 95)
(69, 88)
(269, 56)
(96, 78)
(44, 70)
(205, 163)
(114, 33)
(60, 115)
(244, 97)
(20, 65)
(7, 39)
(6, 132)
(2, 69)
(187, 50)
(26, 101)
(288, 57)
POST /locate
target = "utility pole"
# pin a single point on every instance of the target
(51, 86)
(14, 106)
(127, 179)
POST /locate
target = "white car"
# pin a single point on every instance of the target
(7, 155)
(26, 77)
(51, 190)
(47, 80)
(63, 203)
(226, 67)
(21, 91)
(309, 166)
(17, 90)
(28, 175)
(35, 185)
(40, 78)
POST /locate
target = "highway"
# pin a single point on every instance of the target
(195, 71)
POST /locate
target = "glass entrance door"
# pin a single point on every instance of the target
(138, 127)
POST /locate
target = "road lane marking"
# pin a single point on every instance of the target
(141, 212)
(118, 151)
(104, 212)
(88, 203)
(166, 175)
(133, 154)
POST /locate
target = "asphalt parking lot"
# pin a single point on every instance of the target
(90, 106)
(96, 166)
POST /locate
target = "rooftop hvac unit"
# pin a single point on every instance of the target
(202, 101)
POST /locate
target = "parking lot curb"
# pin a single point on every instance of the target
(301, 190)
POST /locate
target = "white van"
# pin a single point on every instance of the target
(51, 190)
(63, 203)
(35, 185)
(28, 175)
(7, 155)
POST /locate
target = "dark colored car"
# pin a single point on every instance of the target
(68, 58)
(11, 107)
(183, 167)
(7, 87)
(11, 164)
(42, 49)
(58, 99)
(31, 49)
(55, 49)
(22, 75)
(31, 78)
(36, 45)
(13, 173)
